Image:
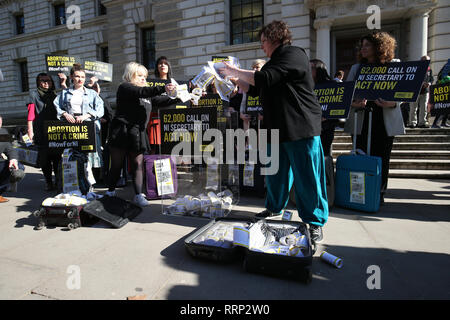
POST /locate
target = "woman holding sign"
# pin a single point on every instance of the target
(128, 134)
(41, 109)
(290, 107)
(77, 104)
(387, 121)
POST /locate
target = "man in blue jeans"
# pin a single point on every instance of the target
(286, 88)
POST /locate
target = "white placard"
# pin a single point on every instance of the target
(357, 187)
(241, 237)
(249, 176)
(163, 173)
(70, 176)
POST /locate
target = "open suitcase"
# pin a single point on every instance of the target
(358, 178)
(219, 241)
(115, 211)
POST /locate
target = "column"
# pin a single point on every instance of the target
(323, 40)
(418, 35)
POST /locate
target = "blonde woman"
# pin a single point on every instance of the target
(128, 134)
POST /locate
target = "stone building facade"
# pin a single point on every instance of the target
(189, 32)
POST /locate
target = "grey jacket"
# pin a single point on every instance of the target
(393, 120)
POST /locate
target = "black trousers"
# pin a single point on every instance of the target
(381, 144)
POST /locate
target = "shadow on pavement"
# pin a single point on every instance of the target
(402, 275)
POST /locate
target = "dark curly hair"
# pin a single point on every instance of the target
(384, 45)
(276, 31)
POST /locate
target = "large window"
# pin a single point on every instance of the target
(103, 53)
(101, 9)
(246, 20)
(20, 23)
(148, 48)
(23, 72)
(60, 14)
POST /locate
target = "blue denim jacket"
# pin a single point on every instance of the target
(92, 103)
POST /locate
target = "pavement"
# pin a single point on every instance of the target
(400, 252)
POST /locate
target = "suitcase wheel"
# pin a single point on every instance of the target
(40, 226)
(72, 226)
(70, 214)
(39, 212)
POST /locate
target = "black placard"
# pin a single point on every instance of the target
(79, 136)
(212, 100)
(59, 63)
(194, 120)
(101, 70)
(335, 98)
(253, 106)
(395, 81)
(440, 93)
(440, 98)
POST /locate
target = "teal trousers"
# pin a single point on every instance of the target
(302, 164)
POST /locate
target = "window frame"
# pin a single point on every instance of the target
(24, 78)
(242, 19)
(150, 65)
(56, 18)
(101, 9)
(16, 22)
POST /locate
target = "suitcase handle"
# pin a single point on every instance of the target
(369, 130)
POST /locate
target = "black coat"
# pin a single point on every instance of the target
(128, 127)
(286, 89)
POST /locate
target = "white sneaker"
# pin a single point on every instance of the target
(111, 193)
(140, 200)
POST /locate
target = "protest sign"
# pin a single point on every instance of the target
(395, 81)
(440, 97)
(187, 125)
(79, 136)
(59, 63)
(335, 98)
(253, 106)
(213, 100)
(101, 70)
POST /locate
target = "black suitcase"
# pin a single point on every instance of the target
(297, 268)
(294, 267)
(61, 216)
(115, 211)
(223, 254)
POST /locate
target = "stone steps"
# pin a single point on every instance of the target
(420, 153)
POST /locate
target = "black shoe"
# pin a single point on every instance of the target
(315, 233)
(425, 126)
(266, 213)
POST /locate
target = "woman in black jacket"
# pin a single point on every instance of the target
(41, 109)
(291, 108)
(128, 133)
